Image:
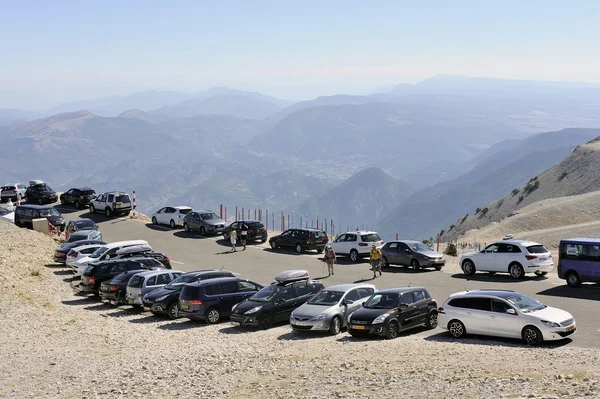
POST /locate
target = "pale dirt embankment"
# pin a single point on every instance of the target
(54, 344)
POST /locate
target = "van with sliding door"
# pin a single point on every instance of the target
(579, 260)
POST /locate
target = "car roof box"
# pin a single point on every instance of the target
(134, 249)
(35, 182)
(291, 275)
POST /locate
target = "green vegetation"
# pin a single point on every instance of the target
(515, 191)
(477, 210)
(451, 250)
(531, 186)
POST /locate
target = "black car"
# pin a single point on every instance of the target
(25, 214)
(130, 253)
(115, 289)
(78, 197)
(212, 300)
(277, 301)
(388, 312)
(40, 193)
(256, 230)
(301, 240)
(164, 301)
(60, 254)
(97, 273)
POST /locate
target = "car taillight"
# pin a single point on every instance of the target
(113, 287)
(550, 256)
(441, 309)
(114, 205)
(75, 255)
(196, 302)
(530, 257)
(308, 239)
(363, 244)
(14, 191)
(91, 280)
(250, 232)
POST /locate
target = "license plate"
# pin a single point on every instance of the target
(130, 301)
(146, 308)
(358, 327)
(543, 259)
(184, 307)
(571, 328)
(438, 261)
(302, 323)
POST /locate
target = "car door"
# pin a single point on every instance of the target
(422, 301)
(486, 259)
(477, 314)
(285, 240)
(338, 245)
(160, 214)
(507, 254)
(392, 253)
(229, 296)
(408, 313)
(351, 243)
(352, 301)
(285, 303)
(404, 254)
(502, 323)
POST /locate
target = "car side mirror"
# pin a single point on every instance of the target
(403, 306)
(106, 256)
(511, 311)
(349, 302)
(407, 251)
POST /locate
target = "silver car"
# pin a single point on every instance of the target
(205, 222)
(143, 283)
(329, 309)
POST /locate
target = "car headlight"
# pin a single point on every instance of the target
(160, 298)
(349, 316)
(319, 317)
(234, 306)
(427, 257)
(253, 310)
(550, 324)
(381, 318)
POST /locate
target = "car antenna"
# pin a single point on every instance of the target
(466, 290)
(221, 267)
(409, 283)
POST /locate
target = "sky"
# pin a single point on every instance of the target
(59, 51)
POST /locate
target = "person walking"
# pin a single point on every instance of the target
(375, 256)
(330, 258)
(233, 239)
(244, 234)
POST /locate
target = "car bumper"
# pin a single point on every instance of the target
(86, 288)
(109, 296)
(155, 307)
(542, 267)
(134, 301)
(60, 259)
(9, 197)
(433, 263)
(555, 334)
(310, 325)
(368, 329)
(244, 320)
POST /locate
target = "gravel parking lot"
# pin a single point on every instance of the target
(58, 345)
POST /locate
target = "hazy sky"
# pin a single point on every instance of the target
(63, 50)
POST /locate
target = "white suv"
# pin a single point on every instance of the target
(513, 257)
(356, 244)
(506, 314)
(111, 203)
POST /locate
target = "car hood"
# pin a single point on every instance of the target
(369, 315)
(432, 254)
(56, 219)
(84, 260)
(275, 237)
(313, 310)
(551, 314)
(248, 304)
(214, 222)
(160, 292)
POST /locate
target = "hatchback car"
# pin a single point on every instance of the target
(204, 222)
(388, 312)
(506, 314)
(84, 235)
(81, 224)
(171, 215)
(95, 274)
(513, 257)
(165, 301)
(82, 250)
(114, 290)
(40, 193)
(301, 240)
(60, 254)
(411, 253)
(256, 230)
(212, 300)
(14, 192)
(276, 302)
(25, 214)
(356, 244)
(146, 282)
(78, 197)
(329, 309)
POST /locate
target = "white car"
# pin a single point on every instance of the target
(514, 257)
(78, 252)
(7, 214)
(105, 252)
(356, 244)
(506, 314)
(14, 192)
(171, 215)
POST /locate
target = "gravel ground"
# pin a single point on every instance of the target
(55, 344)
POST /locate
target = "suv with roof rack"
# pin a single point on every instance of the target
(356, 244)
(111, 203)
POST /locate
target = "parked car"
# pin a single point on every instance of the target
(276, 302)
(143, 251)
(212, 300)
(84, 235)
(14, 192)
(111, 203)
(356, 244)
(82, 250)
(411, 253)
(205, 222)
(329, 309)
(256, 230)
(579, 261)
(171, 215)
(508, 237)
(97, 273)
(165, 301)
(60, 254)
(513, 257)
(114, 290)
(78, 197)
(504, 313)
(26, 213)
(388, 312)
(105, 253)
(40, 193)
(301, 240)
(81, 224)
(143, 283)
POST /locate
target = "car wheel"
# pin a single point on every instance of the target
(225, 236)
(172, 224)
(202, 231)
(336, 326)
(212, 316)
(263, 240)
(92, 208)
(298, 248)
(77, 205)
(384, 262)
(265, 322)
(438, 268)
(354, 255)
(173, 311)
(62, 200)
(320, 250)
(532, 336)
(186, 227)
(432, 320)
(573, 279)
(127, 213)
(108, 212)
(456, 328)
(468, 267)
(538, 273)
(392, 330)
(516, 271)
(415, 265)
(273, 244)
(154, 221)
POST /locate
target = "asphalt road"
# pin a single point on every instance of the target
(190, 251)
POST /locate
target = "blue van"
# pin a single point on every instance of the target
(579, 260)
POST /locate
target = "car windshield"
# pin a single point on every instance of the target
(85, 224)
(208, 216)
(184, 211)
(382, 301)
(266, 294)
(181, 281)
(49, 212)
(370, 237)
(420, 247)
(326, 298)
(525, 303)
(98, 253)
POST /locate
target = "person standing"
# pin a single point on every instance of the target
(375, 256)
(9, 205)
(233, 239)
(244, 234)
(330, 258)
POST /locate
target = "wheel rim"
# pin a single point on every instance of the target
(273, 245)
(515, 271)
(154, 221)
(265, 322)
(298, 248)
(185, 227)
(174, 311)
(213, 316)
(415, 265)
(108, 212)
(433, 320)
(62, 201)
(468, 267)
(531, 336)
(384, 262)
(353, 256)
(172, 224)
(393, 330)
(335, 324)
(572, 279)
(92, 209)
(77, 204)
(456, 329)
(202, 231)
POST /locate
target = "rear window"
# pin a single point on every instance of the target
(184, 211)
(537, 249)
(88, 192)
(370, 237)
(123, 198)
(121, 278)
(189, 292)
(6, 188)
(136, 282)
(256, 225)
(319, 234)
(89, 270)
